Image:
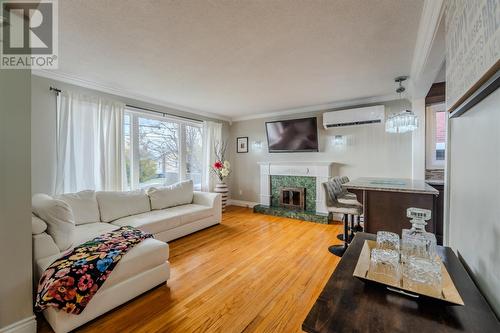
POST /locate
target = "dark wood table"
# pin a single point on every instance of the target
(348, 304)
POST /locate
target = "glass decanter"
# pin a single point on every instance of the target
(416, 242)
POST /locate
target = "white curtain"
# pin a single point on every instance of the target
(90, 148)
(212, 133)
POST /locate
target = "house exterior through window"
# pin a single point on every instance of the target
(161, 150)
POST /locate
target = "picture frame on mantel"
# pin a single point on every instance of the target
(475, 39)
(242, 144)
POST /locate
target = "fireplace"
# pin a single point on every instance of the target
(276, 176)
(292, 197)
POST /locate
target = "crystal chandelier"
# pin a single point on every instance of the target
(406, 120)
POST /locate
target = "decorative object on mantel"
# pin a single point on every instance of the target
(472, 64)
(406, 120)
(221, 169)
(412, 268)
(242, 144)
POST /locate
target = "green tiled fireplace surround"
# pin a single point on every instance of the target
(293, 214)
(309, 214)
(309, 183)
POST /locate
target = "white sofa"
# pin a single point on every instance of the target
(68, 220)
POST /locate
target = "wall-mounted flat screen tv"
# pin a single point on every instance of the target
(289, 136)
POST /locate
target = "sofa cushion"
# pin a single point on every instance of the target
(114, 205)
(59, 218)
(88, 231)
(37, 225)
(170, 196)
(146, 255)
(192, 212)
(84, 206)
(153, 222)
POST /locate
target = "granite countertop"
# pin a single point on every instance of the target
(434, 181)
(391, 185)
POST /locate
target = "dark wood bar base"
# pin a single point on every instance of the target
(348, 304)
(439, 213)
(386, 210)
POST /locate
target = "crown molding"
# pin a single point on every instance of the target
(320, 107)
(71, 79)
(432, 13)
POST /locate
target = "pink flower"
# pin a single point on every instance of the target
(85, 282)
(218, 165)
(82, 270)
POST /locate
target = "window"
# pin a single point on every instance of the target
(127, 148)
(194, 153)
(161, 150)
(436, 119)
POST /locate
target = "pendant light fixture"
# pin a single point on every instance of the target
(406, 120)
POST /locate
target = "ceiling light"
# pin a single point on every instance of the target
(406, 120)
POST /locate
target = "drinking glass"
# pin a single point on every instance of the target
(387, 240)
(384, 264)
(422, 274)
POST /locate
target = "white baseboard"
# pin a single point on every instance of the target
(241, 203)
(26, 325)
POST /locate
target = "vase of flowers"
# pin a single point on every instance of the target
(221, 169)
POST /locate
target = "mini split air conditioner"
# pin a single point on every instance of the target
(352, 117)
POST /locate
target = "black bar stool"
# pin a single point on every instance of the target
(333, 188)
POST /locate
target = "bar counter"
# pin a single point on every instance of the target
(385, 201)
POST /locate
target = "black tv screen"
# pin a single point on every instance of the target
(296, 135)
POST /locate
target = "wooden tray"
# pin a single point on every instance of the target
(449, 293)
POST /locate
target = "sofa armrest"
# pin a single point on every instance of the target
(210, 199)
(205, 198)
(43, 246)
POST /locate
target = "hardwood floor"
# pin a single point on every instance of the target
(252, 273)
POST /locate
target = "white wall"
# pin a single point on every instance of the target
(16, 300)
(474, 181)
(43, 136)
(43, 127)
(369, 151)
(418, 140)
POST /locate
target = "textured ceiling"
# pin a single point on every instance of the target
(236, 58)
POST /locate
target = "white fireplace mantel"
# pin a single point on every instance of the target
(321, 171)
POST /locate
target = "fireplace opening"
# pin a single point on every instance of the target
(292, 197)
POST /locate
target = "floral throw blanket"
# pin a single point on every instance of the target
(71, 281)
